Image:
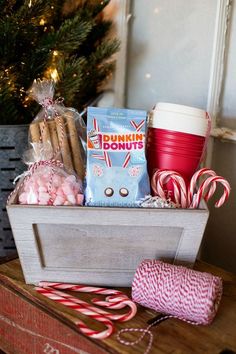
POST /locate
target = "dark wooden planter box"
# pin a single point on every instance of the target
(13, 142)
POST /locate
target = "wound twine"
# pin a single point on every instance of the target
(176, 292)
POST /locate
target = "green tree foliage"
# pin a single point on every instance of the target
(39, 38)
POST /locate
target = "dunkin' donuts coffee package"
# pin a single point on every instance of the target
(116, 162)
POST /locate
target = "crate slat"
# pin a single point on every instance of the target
(13, 142)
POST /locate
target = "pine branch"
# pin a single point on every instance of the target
(29, 37)
(34, 12)
(104, 51)
(72, 33)
(70, 78)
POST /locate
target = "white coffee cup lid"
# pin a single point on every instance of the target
(179, 118)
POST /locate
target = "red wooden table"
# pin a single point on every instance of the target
(32, 324)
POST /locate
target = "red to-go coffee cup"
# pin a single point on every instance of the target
(176, 138)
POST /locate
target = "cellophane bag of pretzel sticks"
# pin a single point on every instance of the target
(46, 182)
(62, 127)
(116, 163)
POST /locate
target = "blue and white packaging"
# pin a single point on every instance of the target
(116, 163)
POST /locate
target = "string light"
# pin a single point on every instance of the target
(30, 3)
(54, 74)
(42, 22)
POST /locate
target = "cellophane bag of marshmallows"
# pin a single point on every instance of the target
(116, 163)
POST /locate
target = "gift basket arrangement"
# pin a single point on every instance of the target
(100, 189)
(107, 203)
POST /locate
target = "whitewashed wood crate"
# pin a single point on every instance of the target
(101, 246)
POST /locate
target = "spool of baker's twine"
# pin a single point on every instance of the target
(175, 291)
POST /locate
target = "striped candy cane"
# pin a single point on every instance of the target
(118, 303)
(95, 125)
(115, 300)
(136, 126)
(54, 295)
(127, 160)
(104, 157)
(204, 187)
(161, 177)
(193, 184)
(79, 288)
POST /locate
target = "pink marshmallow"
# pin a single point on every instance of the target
(42, 189)
(80, 199)
(67, 203)
(67, 188)
(59, 200)
(71, 199)
(60, 192)
(57, 180)
(71, 179)
(23, 198)
(32, 198)
(44, 198)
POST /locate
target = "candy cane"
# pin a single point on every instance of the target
(115, 302)
(105, 157)
(180, 191)
(204, 187)
(193, 184)
(136, 126)
(54, 295)
(161, 177)
(79, 288)
(127, 160)
(95, 125)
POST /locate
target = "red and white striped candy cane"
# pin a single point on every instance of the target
(127, 160)
(193, 184)
(204, 187)
(136, 126)
(118, 303)
(79, 288)
(95, 125)
(54, 295)
(105, 157)
(116, 300)
(161, 177)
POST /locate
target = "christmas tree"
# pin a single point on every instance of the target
(59, 39)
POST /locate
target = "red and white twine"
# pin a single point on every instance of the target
(176, 292)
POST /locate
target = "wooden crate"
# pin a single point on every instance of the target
(101, 246)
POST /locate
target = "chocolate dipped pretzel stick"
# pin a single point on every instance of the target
(63, 143)
(75, 144)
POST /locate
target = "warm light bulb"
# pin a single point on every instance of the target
(30, 3)
(42, 22)
(55, 53)
(54, 74)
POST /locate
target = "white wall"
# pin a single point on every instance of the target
(169, 57)
(169, 52)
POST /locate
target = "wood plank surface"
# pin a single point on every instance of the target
(30, 323)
